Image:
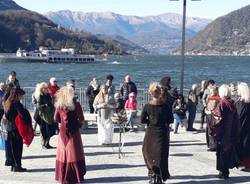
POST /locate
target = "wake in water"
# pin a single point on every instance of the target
(115, 63)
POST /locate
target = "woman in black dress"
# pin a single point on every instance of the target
(243, 110)
(44, 114)
(14, 145)
(157, 115)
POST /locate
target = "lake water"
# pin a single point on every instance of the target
(143, 70)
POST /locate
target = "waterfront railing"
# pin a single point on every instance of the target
(142, 98)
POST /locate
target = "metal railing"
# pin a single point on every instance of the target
(142, 98)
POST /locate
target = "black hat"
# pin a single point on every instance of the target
(110, 77)
(165, 82)
(13, 73)
(20, 91)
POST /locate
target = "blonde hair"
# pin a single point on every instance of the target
(224, 91)
(101, 96)
(155, 90)
(243, 92)
(64, 98)
(38, 90)
(214, 91)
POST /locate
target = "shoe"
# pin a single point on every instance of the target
(126, 129)
(191, 130)
(18, 169)
(175, 132)
(211, 149)
(49, 147)
(7, 163)
(132, 130)
(224, 176)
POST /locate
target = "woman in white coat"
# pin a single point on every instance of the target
(104, 104)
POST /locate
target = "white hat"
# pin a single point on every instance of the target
(52, 79)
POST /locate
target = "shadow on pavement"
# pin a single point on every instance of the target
(193, 144)
(182, 155)
(115, 145)
(92, 130)
(116, 179)
(111, 166)
(130, 144)
(105, 153)
(41, 170)
(185, 141)
(38, 156)
(202, 179)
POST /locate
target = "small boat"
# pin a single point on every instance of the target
(48, 56)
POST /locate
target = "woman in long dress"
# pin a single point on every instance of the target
(14, 145)
(243, 110)
(226, 133)
(104, 104)
(157, 115)
(70, 160)
(44, 113)
(212, 102)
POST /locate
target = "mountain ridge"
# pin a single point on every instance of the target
(22, 28)
(227, 35)
(9, 5)
(134, 28)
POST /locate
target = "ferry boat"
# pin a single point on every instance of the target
(49, 56)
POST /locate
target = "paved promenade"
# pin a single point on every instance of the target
(189, 162)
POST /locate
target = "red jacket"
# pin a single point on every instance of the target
(52, 91)
(131, 105)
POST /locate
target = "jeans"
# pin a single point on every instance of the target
(191, 116)
(177, 120)
(131, 115)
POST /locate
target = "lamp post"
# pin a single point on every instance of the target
(183, 42)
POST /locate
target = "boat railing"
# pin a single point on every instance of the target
(142, 98)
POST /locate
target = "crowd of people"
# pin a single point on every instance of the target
(225, 112)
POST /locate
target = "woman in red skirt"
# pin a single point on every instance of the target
(70, 161)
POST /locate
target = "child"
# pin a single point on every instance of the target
(179, 110)
(131, 110)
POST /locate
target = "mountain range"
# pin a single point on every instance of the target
(227, 35)
(158, 34)
(21, 28)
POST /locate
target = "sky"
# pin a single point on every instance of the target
(204, 8)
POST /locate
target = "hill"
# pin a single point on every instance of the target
(9, 5)
(227, 35)
(20, 28)
(158, 34)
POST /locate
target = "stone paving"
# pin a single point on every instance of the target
(189, 161)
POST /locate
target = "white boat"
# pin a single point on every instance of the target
(48, 56)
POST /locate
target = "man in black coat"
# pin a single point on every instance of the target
(128, 87)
